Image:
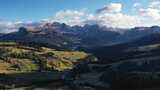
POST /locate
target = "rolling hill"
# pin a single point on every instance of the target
(17, 57)
(27, 66)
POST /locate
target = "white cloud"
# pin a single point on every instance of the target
(6, 27)
(155, 4)
(110, 16)
(150, 13)
(119, 20)
(71, 17)
(69, 14)
(111, 8)
(137, 5)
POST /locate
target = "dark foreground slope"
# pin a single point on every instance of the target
(143, 47)
(130, 66)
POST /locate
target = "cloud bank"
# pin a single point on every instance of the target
(110, 15)
(6, 27)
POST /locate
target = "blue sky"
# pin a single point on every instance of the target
(38, 9)
(110, 13)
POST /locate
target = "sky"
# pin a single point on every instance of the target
(111, 13)
(38, 9)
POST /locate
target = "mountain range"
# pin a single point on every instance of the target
(76, 37)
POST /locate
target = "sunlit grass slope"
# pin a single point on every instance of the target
(19, 58)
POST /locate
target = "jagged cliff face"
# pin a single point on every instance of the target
(44, 35)
(62, 35)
